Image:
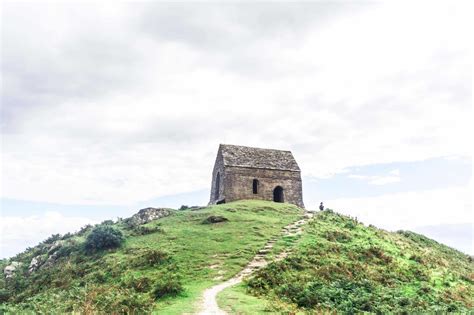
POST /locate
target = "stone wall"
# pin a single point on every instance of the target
(238, 184)
(218, 169)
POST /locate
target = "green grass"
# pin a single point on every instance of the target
(336, 265)
(235, 300)
(191, 255)
(341, 265)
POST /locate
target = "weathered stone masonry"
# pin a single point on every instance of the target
(254, 173)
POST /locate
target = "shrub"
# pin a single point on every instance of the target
(103, 237)
(151, 258)
(139, 284)
(183, 207)
(350, 225)
(169, 285)
(373, 252)
(53, 238)
(214, 219)
(66, 236)
(68, 248)
(144, 230)
(4, 295)
(84, 229)
(337, 236)
(417, 258)
(107, 222)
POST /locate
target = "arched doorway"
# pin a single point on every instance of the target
(278, 194)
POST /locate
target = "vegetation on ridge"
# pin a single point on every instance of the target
(161, 266)
(338, 264)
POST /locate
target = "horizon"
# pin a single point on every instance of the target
(107, 109)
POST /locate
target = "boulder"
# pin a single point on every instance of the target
(10, 270)
(214, 219)
(148, 214)
(35, 263)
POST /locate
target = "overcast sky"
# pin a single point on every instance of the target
(109, 107)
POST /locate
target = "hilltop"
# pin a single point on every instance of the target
(161, 260)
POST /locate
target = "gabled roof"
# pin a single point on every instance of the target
(235, 155)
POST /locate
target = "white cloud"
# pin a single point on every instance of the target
(129, 102)
(408, 210)
(435, 213)
(392, 177)
(20, 232)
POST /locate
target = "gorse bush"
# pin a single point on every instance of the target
(167, 285)
(103, 237)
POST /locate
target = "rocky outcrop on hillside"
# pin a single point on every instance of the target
(147, 215)
(10, 270)
(35, 263)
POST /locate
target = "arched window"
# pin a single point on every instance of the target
(218, 186)
(255, 186)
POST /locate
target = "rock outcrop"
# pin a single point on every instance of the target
(35, 263)
(147, 215)
(10, 270)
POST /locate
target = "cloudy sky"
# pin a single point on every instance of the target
(106, 108)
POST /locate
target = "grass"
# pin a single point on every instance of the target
(341, 265)
(336, 265)
(181, 255)
(235, 300)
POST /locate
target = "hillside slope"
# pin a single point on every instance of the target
(339, 264)
(161, 266)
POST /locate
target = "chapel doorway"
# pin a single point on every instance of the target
(278, 194)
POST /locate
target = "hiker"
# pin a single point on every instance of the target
(321, 206)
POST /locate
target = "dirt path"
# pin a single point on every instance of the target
(208, 304)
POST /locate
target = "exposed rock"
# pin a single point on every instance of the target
(54, 247)
(148, 214)
(214, 219)
(10, 270)
(50, 261)
(35, 263)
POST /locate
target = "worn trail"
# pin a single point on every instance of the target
(208, 304)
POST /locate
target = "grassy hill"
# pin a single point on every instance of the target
(339, 264)
(163, 266)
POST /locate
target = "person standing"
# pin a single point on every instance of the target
(321, 206)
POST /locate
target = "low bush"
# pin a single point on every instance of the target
(151, 258)
(138, 283)
(107, 222)
(214, 219)
(144, 230)
(168, 285)
(103, 237)
(337, 236)
(53, 238)
(86, 228)
(4, 295)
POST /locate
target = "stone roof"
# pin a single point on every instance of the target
(235, 155)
